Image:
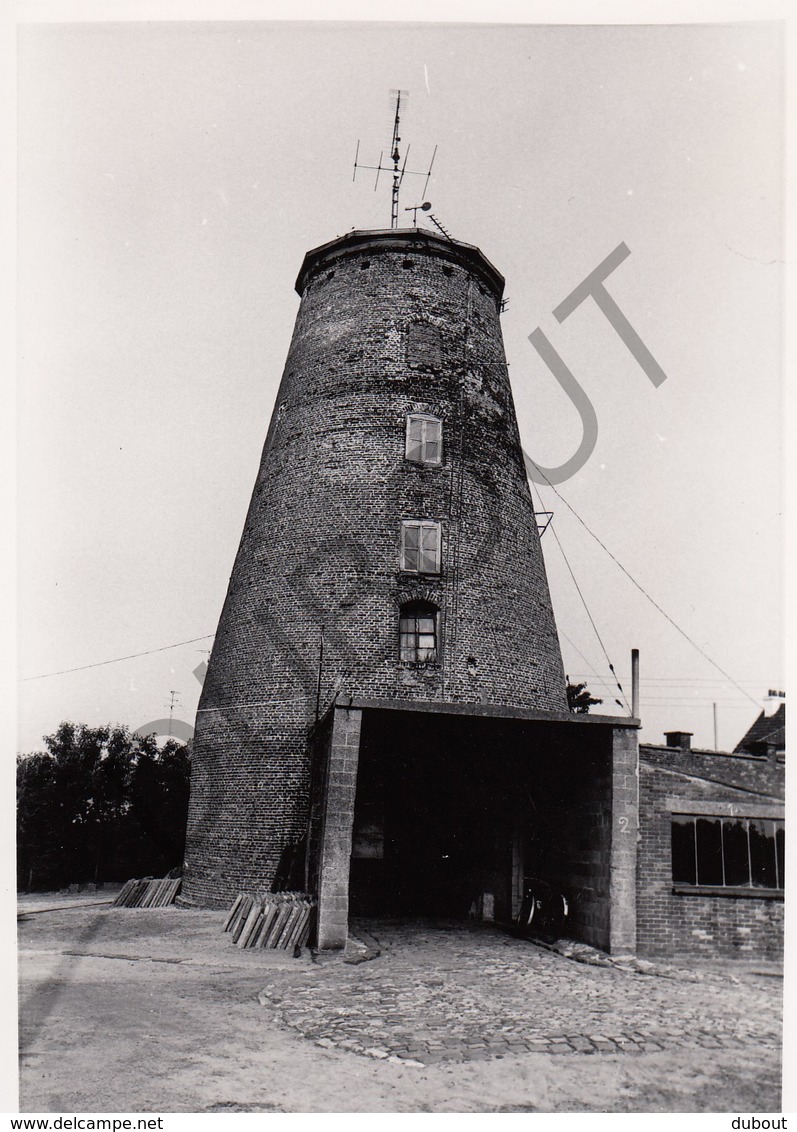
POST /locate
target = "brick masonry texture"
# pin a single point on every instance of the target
(674, 924)
(321, 542)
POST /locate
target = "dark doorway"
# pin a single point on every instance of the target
(434, 820)
(454, 812)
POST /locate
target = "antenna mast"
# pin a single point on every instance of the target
(173, 693)
(396, 158)
(399, 168)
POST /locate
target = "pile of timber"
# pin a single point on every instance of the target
(276, 919)
(148, 893)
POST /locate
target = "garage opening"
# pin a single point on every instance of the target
(454, 815)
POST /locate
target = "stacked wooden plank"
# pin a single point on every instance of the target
(148, 893)
(276, 919)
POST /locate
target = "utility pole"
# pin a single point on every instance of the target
(171, 708)
(716, 744)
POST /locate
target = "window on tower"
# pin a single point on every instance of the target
(420, 546)
(424, 444)
(418, 632)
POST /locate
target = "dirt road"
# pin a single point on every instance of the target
(127, 1010)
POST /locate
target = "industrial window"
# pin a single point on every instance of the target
(424, 439)
(420, 547)
(418, 632)
(728, 852)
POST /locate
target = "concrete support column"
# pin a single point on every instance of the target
(336, 831)
(625, 827)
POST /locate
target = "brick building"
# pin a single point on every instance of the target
(384, 719)
(767, 735)
(710, 871)
(387, 645)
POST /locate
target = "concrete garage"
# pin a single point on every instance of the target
(441, 809)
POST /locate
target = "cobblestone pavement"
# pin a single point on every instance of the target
(445, 993)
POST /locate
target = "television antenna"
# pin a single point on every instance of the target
(437, 224)
(399, 170)
(174, 693)
(415, 209)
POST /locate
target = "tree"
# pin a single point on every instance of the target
(100, 804)
(38, 854)
(579, 699)
(159, 804)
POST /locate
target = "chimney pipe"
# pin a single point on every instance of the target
(635, 683)
(680, 739)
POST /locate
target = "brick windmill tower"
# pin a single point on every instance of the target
(390, 565)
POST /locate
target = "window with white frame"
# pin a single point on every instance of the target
(418, 622)
(424, 440)
(728, 852)
(420, 546)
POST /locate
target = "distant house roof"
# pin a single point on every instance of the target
(768, 730)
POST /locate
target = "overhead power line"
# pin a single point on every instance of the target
(642, 589)
(696, 703)
(592, 671)
(696, 700)
(650, 679)
(117, 659)
(686, 680)
(591, 621)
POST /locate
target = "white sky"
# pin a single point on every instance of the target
(171, 178)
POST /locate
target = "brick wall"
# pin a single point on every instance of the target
(674, 924)
(322, 538)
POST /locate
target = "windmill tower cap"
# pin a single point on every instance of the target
(408, 240)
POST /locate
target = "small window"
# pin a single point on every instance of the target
(424, 439)
(714, 852)
(420, 547)
(418, 632)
